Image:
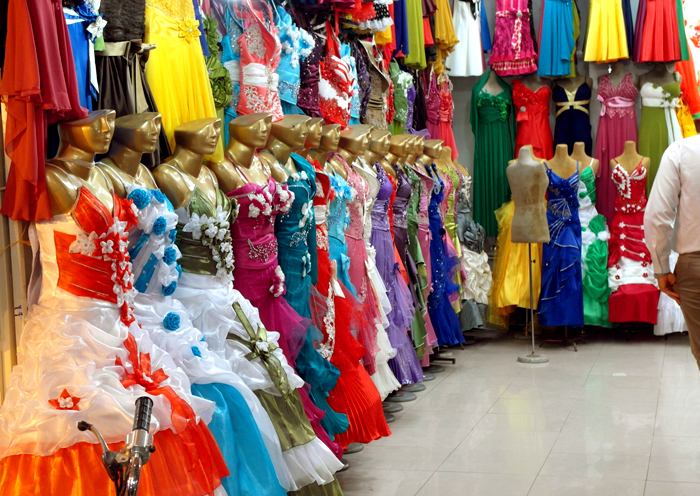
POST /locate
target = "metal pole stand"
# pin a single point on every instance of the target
(533, 357)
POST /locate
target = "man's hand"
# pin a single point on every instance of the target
(666, 283)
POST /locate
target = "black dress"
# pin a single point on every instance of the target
(573, 117)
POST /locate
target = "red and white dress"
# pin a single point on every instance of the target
(82, 356)
(635, 294)
(261, 52)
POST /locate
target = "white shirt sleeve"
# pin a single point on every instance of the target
(662, 208)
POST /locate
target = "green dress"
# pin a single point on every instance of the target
(402, 83)
(594, 253)
(653, 128)
(493, 124)
(419, 330)
(415, 59)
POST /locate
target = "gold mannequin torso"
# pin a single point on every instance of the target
(179, 185)
(120, 178)
(65, 177)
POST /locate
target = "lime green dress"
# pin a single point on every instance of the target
(415, 59)
(493, 124)
(594, 253)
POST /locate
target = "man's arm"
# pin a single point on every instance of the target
(661, 210)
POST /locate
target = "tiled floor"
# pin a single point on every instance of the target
(617, 418)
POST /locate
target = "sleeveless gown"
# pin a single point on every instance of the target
(561, 296)
(240, 425)
(532, 118)
(405, 365)
(83, 357)
(617, 124)
(338, 315)
(233, 328)
(573, 117)
(634, 292)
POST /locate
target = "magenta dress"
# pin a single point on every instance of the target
(618, 123)
(513, 47)
(432, 106)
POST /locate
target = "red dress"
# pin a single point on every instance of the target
(532, 117)
(634, 296)
(39, 87)
(445, 113)
(660, 40)
(355, 393)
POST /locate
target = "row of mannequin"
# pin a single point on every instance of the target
(109, 253)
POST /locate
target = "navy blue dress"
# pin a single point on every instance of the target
(573, 117)
(561, 296)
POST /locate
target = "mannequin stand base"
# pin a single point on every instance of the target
(427, 376)
(533, 358)
(354, 448)
(389, 418)
(413, 388)
(392, 407)
(436, 369)
(346, 465)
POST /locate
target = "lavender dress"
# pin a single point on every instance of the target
(405, 364)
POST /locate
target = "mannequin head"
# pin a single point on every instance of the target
(252, 130)
(138, 132)
(330, 137)
(398, 145)
(199, 136)
(433, 148)
(290, 131)
(355, 140)
(379, 141)
(92, 134)
(417, 141)
(313, 138)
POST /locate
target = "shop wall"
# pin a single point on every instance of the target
(462, 87)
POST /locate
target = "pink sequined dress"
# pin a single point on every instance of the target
(617, 124)
(513, 49)
(445, 113)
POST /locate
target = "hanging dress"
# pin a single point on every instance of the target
(617, 124)
(297, 45)
(659, 125)
(594, 253)
(432, 104)
(606, 40)
(513, 51)
(467, 59)
(532, 119)
(493, 124)
(83, 357)
(446, 114)
(233, 327)
(639, 29)
(660, 41)
(240, 425)
(338, 316)
(634, 292)
(172, 26)
(444, 319)
(561, 296)
(557, 41)
(573, 116)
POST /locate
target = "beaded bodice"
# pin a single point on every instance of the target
(562, 201)
(338, 218)
(631, 189)
(403, 197)
(356, 207)
(380, 209)
(617, 101)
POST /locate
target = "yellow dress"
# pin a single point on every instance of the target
(511, 282)
(606, 40)
(445, 36)
(176, 69)
(685, 119)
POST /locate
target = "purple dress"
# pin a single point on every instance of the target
(405, 364)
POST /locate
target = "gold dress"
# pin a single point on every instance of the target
(176, 70)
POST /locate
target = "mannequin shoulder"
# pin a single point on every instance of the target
(173, 184)
(226, 174)
(116, 180)
(62, 189)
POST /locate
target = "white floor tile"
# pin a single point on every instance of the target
(596, 466)
(461, 484)
(655, 488)
(382, 482)
(546, 485)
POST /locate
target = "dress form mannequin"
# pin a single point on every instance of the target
(313, 139)
(432, 149)
(246, 134)
(74, 165)
(444, 161)
(398, 150)
(618, 71)
(286, 135)
(580, 156)
(415, 148)
(534, 81)
(562, 165)
(528, 182)
(661, 74)
(630, 158)
(379, 146)
(134, 135)
(178, 176)
(330, 139)
(492, 87)
(353, 143)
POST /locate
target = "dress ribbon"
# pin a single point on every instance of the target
(572, 104)
(261, 348)
(669, 105)
(616, 102)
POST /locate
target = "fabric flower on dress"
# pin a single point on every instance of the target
(171, 322)
(65, 401)
(189, 29)
(278, 288)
